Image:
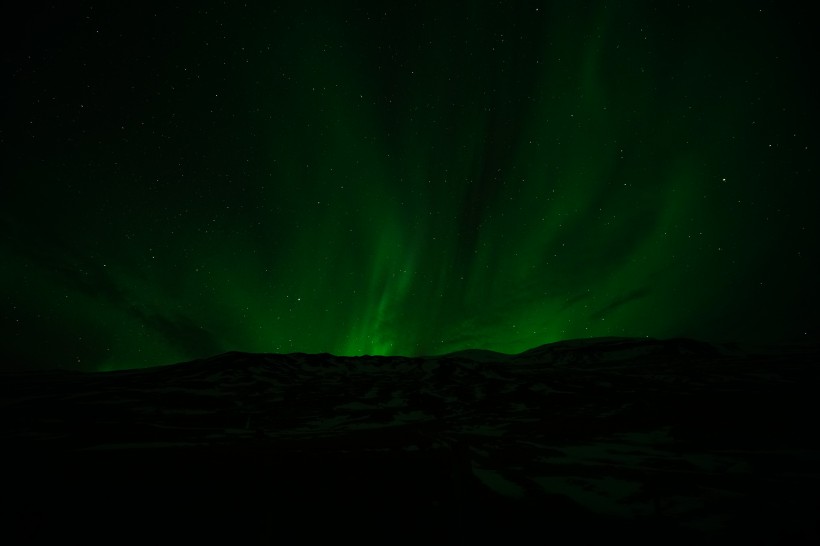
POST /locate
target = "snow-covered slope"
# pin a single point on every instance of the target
(633, 437)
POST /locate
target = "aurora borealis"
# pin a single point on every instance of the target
(403, 179)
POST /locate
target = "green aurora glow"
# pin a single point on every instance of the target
(385, 179)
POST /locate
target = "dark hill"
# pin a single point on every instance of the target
(645, 440)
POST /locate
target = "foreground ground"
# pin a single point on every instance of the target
(670, 441)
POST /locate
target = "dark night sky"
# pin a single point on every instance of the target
(403, 178)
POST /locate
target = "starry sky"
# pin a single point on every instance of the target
(405, 178)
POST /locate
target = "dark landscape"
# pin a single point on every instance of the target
(670, 441)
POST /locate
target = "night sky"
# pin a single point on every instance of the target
(403, 178)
